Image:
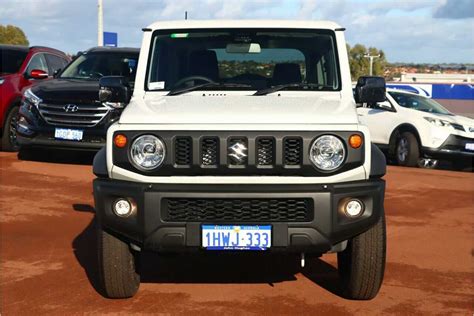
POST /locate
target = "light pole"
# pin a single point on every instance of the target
(371, 58)
(100, 24)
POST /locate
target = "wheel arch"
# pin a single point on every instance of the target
(16, 101)
(405, 127)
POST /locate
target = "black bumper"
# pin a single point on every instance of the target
(453, 147)
(150, 229)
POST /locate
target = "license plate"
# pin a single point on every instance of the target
(469, 146)
(236, 237)
(69, 134)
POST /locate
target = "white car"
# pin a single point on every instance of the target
(416, 130)
(241, 136)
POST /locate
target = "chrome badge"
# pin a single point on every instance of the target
(237, 152)
(69, 108)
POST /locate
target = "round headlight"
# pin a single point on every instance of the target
(327, 152)
(147, 152)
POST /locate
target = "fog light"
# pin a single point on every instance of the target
(124, 207)
(354, 208)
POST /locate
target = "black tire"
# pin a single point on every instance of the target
(362, 264)
(9, 142)
(407, 151)
(117, 270)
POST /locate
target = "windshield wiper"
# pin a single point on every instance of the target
(208, 85)
(303, 85)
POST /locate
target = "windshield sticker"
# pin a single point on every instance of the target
(156, 85)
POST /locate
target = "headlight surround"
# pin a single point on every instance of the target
(327, 152)
(438, 122)
(32, 98)
(147, 152)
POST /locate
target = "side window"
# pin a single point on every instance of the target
(55, 62)
(37, 62)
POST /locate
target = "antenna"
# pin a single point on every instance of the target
(185, 15)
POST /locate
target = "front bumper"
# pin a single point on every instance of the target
(149, 229)
(454, 146)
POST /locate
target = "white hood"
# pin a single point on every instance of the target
(199, 108)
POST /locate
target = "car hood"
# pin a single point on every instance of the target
(67, 90)
(240, 109)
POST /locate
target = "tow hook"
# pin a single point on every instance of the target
(427, 163)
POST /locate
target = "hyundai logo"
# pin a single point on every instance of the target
(238, 152)
(71, 108)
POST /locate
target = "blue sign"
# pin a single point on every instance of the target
(110, 39)
(454, 91)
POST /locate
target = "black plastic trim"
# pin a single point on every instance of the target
(99, 166)
(378, 164)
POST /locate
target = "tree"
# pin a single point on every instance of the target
(13, 35)
(360, 65)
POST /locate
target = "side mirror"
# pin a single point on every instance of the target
(37, 74)
(114, 91)
(370, 90)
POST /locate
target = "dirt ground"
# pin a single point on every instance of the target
(47, 254)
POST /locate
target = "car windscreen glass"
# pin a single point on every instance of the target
(93, 66)
(259, 58)
(419, 103)
(11, 60)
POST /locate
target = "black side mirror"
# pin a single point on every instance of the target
(370, 90)
(114, 90)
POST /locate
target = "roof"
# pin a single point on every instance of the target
(113, 49)
(15, 47)
(219, 24)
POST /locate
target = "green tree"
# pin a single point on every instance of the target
(360, 65)
(13, 35)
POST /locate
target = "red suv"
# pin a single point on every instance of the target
(20, 67)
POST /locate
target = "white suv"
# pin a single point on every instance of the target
(410, 127)
(241, 136)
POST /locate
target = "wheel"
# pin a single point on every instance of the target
(407, 152)
(117, 271)
(362, 264)
(9, 141)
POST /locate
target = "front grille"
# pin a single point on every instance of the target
(237, 210)
(80, 115)
(210, 151)
(459, 127)
(183, 151)
(265, 151)
(292, 151)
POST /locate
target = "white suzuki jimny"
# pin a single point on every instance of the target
(241, 136)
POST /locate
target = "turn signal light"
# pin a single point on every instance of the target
(355, 141)
(120, 140)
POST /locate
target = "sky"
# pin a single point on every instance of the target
(418, 31)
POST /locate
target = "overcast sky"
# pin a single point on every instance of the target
(429, 31)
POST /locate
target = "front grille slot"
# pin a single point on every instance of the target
(183, 151)
(210, 151)
(237, 210)
(265, 151)
(80, 115)
(292, 151)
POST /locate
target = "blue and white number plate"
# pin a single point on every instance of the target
(469, 146)
(69, 134)
(233, 237)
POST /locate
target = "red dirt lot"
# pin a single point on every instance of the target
(47, 255)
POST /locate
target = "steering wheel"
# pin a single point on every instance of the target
(189, 78)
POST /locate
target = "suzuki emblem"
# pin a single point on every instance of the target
(238, 152)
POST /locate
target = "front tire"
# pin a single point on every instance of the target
(117, 270)
(9, 141)
(407, 150)
(362, 264)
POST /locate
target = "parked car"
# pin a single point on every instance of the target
(20, 67)
(66, 112)
(241, 136)
(410, 127)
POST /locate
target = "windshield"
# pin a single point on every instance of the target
(251, 59)
(11, 60)
(419, 103)
(93, 66)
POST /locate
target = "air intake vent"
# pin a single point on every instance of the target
(210, 151)
(292, 151)
(183, 151)
(265, 151)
